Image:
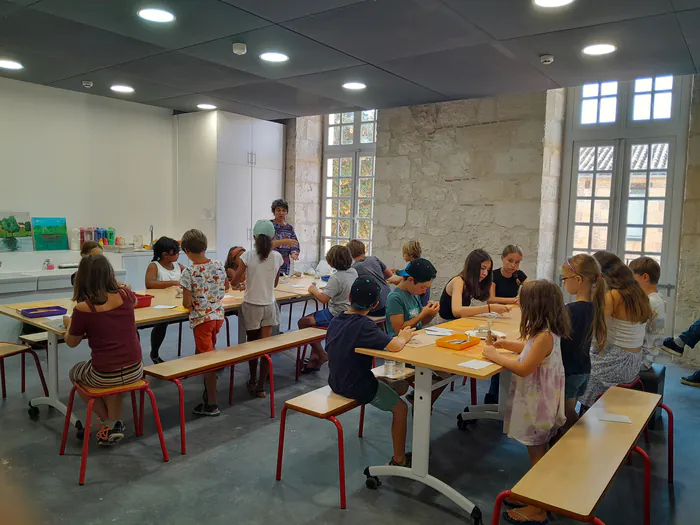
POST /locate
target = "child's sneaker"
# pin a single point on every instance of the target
(692, 380)
(406, 464)
(204, 409)
(110, 436)
(670, 346)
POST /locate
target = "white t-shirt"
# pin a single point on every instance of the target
(260, 277)
(338, 289)
(654, 336)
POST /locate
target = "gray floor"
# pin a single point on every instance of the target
(228, 474)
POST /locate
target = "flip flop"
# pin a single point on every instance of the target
(527, 521)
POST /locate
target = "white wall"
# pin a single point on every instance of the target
(94, 160)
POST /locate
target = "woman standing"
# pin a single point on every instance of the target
(284, 230)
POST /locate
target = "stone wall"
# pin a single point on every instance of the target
(469, 174)
(303, 183)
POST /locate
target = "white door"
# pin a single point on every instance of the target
(268, 144)
(233, 208)
(235, 139)
(267, 186)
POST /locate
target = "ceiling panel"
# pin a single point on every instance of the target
(386, 29)
(690, 24)
(283, 98)
(305, 55)
(685, 4)
(384, 90)
(187, 103)
(8, 7)
(645, 46)
(475, 71)
(525, 18)
(281, 10)
(195, 20)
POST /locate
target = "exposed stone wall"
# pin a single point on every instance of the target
(469, 174)
(303, 182)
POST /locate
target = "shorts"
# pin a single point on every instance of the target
(205, 336)
(323, 318)
(386, 397)
(255, 316)
(575, 385)
(85, 374)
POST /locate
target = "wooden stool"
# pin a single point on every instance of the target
(95, 393)
(10, 349)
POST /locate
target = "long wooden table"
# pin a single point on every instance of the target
(431, 358)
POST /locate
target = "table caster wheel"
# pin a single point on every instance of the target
(33, 411)
(462, 424)
(372, 482)
(80, 431)
(476, 516)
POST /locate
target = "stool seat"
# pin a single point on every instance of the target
(321, 403)
(10, 349)
(99, 392)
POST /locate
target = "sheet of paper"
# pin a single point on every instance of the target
(420, 340)
(56, 317)
(615, 418)
(164, 307)
(482, 335)
(228, 296)
(475, 364)
(439, 331)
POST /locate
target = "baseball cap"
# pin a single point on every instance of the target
(422, 270)
(264, 227)
(364, 293)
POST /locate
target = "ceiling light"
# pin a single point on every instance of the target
(206, 106)
(354, 85)
(156, 15)
(10, 64)
(599, 49)
(274, 57)
(552, 3)
(120, 88)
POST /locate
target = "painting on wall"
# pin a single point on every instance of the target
(15, 232)
(50, 233)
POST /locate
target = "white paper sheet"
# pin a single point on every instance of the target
(614, 418)
(482, 335)
(475, 364)
(164, 307)
(56, 317)
(439, 331)
(420, 340)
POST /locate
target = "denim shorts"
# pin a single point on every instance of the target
(575, 385)
(323, 317)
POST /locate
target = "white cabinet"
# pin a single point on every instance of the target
(234, 141)
(266, 183)
(268, 144)
(233, 207)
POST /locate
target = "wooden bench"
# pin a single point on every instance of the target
(199, 364)
(10, 349)
(573, 476)
(323, 403)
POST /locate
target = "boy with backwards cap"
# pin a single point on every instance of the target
(403, 306)
(351, 373)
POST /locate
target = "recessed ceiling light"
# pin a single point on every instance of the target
(10, 64)
(599, 49)
(156, 15)
(354, 85)
(206, 106)
(552, 3)
(274, 57)
(120, 88)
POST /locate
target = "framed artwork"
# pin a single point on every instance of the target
(15, 232)
(50, 233)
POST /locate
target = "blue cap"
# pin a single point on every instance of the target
(422, 270)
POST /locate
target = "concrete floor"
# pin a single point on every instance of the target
(228, 474)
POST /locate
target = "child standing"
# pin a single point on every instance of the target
(335, 295)
(372, 268)
(647, 273)
(260, 269)
(105, 316)
(163, 272)
(233, 259)
(508, 279)
(351, 373)
(536, 408)
(581, 277)
(204, 285)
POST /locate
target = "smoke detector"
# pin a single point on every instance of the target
(239, 48)
(87, 84)
(546, 60)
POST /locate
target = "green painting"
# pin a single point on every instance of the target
(15, 232)
(50, 233)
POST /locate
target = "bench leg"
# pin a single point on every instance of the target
(181, 396)
(362, 421)
(179, 339)
(66, 424)
(135, 413)
(472, 384)
(280, 446)
(306, 303)
(496, 519)
(452, 386)
(40, 372)
(228, 331)
(291, 309)
(141, 413)
(647, 484)
(298, 364)
(159, 427)
(669, 413)
(272, 386)
(230, 386)
(86, 441)
(341, 459)
(23, 374)
(2, 378)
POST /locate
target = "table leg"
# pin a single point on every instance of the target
(496, 412)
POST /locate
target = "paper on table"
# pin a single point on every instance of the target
(439, 331)
(164, 307)
(482, 335)
(420, 340)
(56, 317)
(475, 364)
(615, 418)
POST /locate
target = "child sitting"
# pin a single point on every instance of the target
(536, 407)
(233, 259)
(372, 268)
(351, 373)
(204, 285)
(105, 316)
(647, 273)
(403, 306)
(508, 279)
(410, 251)
(335, 295)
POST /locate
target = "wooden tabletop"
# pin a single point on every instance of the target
(446, 360)
(574, 474)
(299, 285)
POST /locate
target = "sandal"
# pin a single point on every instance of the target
(253, 390)
(527, 521)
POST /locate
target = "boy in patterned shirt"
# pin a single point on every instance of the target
(204, 285)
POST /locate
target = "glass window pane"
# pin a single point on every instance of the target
(663, 83)
(585, 184)
(662, 105)
(590, 90)
(655, 212)
(640, 157)
(659, 156)
(586, 159)
(367, 133)
(364, 230)
(635, 211)
(333, 135)
(327, 244)
(334, 118)
(608, 108)
(333, 168)
(332, 226)
(348, 135)
(642, 107)
(332, 188)
(581, 237)
(653, 239)
(368, 115)
(601, 211)
(605, 158)
(331, 208)
(629, 257)
(345, 208)
(599, 237)
(346, 167)
(364, 208)
(366, 187)
(638, 184)
(657, 184)
(348, 118)
(608, 88)
(583, 210)
(603, 184)
(366, 166)
(589, 111)
(633, 239)
(642, 85)
(344, 229)
(345, 187)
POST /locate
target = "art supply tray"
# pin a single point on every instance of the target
(143, 300)
(457, 342)
(43, 311)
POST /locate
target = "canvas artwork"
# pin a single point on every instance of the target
(15, 232)
(50, 233)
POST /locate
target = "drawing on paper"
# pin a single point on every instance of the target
(15, 232)
(50, 233)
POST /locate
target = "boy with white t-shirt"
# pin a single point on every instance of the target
(647, 273)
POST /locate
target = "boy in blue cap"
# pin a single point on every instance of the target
(404, 308)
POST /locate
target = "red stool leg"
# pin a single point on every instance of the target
(181, 397)
(2, 378)
(669, 413)
(374, 362)
(647, 485)
(86, 440)
(230, 386)
(472, 384)
(272, 386)
(135, 412)
(23, 374)
(596, 521)
(306, 303)
(497, 507)
(341, 460)
(159, 427)
(362, 421)
(464, 381)
(228, 331)
(179, 339)
(40, 371)
(298, 370)
(280, 446)
(66, 424)
(142, 412)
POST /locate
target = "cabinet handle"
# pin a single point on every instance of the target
(255, 159)
(250, 158)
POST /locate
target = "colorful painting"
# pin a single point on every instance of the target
(50, 233)
(15, 232)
